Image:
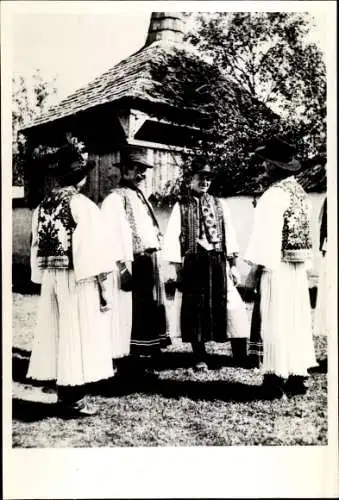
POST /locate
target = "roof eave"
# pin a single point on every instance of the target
(157, 107)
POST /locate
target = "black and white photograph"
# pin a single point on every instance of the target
(169, 263)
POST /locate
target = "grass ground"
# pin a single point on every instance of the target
(181, 408)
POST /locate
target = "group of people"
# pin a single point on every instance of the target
(106, 274)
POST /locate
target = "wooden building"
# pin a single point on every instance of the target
(116, 109)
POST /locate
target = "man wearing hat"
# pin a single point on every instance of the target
(201, 249)
(68, 257)
(134, 227)
(280, 250)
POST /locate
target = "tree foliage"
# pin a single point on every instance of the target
(28, 101)
(271, 56)
(251, 76)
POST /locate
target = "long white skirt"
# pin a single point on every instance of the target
(72, 343)
(321, 326)
(286, 326)
(119, 317)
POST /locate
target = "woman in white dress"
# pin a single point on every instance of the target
(280, 250)
(72, 343)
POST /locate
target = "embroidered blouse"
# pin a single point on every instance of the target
(134, 225)
(90, 247)
(296, 232)
(271, 219)
(55, 229)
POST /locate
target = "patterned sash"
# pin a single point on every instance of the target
(203, 217)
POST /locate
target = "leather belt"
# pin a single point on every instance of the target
(148, 251)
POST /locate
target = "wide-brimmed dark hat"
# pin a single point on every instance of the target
(280, 153)
(70, 163)
(135, 156)
(201, 166)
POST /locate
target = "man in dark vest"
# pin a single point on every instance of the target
(201, 249)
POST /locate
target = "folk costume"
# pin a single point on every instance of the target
(321, 326)
(131, 220)
(200, 245)
(71, 344)
(281, 248)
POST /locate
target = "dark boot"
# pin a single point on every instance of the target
(296, 385)
(272, 386)
(144, 366)
(254, 361)
(122, 366)
(151, 364)
(199, 355)
(239, 350)
(72, 401)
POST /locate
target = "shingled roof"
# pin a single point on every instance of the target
(132, 77)
(129, 78)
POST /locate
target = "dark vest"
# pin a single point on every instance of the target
(192, 227)
(296, 237)
(55, 229)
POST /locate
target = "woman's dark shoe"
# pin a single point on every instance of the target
(295, 385)
(272, 386)
(199, 355)
(253, 361)
(81, 408)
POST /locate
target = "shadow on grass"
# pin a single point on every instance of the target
(165, 361)
(132, 380)
(35, 411)
(175, 389)
(32, 411)
(175, 360)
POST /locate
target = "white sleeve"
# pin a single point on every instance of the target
(232, 246)
(90, 244)
(266, 239)
(118, 227)
(171, 244)
(36, 273)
